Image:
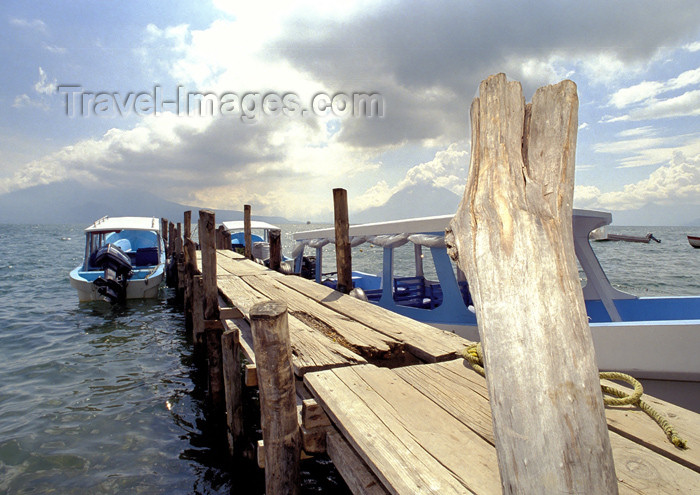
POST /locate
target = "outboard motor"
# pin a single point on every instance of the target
(117, 267)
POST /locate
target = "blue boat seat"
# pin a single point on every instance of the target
(146, 256)
(410, 291)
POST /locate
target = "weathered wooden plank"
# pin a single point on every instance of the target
(351, 467)
(230, 254)
(240, 267)
(403, 447)
(463, 394)
(427, 343)
(349, 332)
(452, 386)
(313, 350)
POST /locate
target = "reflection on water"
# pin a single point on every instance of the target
(101, 399)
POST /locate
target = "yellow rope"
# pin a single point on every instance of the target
(474, 355)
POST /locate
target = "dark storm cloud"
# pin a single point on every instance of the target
(408, 50)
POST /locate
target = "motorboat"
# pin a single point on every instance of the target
(628, 238)
(694, 241)
(650, 337)
(124, 259)
(259, 236)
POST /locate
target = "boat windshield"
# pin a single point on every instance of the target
(129, 241)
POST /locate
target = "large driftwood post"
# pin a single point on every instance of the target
(248, 249)
(280, 425)
(342, 240)
(512, 235)
(213, 327)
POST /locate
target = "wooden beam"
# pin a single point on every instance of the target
(277, 397)
(512, 236)
(342, 240)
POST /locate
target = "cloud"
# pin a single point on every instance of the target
(404, 53)
(54, 48)
(679, 180)
(676, 181)
(43, 86)
(692, 47)
(35, 24)
(448, 169)
(646, 103)
(640, 146)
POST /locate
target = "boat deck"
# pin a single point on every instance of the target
(407, 416)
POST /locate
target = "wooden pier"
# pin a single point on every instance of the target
(387, 398)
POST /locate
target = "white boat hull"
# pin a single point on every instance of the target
(135, 289)
(659, 350)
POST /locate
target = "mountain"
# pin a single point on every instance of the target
(72, 202)
(414, 201)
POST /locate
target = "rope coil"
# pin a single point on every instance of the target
(474, 355)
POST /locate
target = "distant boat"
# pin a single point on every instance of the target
(627, 238)
(694, 241)
(124, 259)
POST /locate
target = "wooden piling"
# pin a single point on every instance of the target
(342, 240)
(231, 358)
(207, 241)
(187, 234)
(212, 326)
(280, 425)
(164, 235)
(197, 312)
(275, 249)
(171, 238)
(248, 250)
(548, 417)
(190, 272)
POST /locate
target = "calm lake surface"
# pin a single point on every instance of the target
(96, 399)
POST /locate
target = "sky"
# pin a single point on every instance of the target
(95, 92)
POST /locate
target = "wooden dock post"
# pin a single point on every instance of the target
(171, 238)
(280, 425)
(164, 235)
(231, 358)
(248, 249)
(275, 249)
(512, 235)
(343, 250)
(190, 261)
(213, 327)
(187, 233)
(197, 312)
(179, 265)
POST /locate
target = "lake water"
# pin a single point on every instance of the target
(96, 399)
